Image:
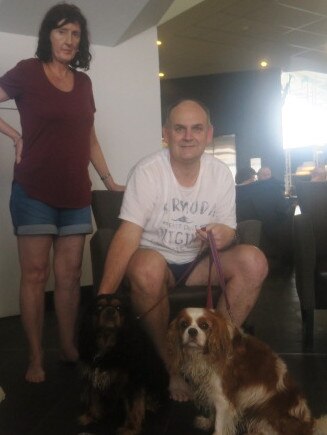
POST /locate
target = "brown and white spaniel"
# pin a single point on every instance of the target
(238, 382)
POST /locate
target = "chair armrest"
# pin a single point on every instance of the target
(304, 260)
(99, 245)
(106, 207)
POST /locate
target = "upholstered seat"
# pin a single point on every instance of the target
(310, 252)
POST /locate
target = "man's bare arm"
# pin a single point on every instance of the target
(125, 242)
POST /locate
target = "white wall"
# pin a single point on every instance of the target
(128, 124)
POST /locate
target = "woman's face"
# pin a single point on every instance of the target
(65, 42)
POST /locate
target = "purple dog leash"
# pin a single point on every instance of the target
(214, 259)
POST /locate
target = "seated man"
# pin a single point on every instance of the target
(172, 198)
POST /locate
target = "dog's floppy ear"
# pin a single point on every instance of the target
(174, 348)
(220, 337)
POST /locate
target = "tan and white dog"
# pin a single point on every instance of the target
(238, 381)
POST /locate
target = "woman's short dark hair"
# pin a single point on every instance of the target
(64, 13)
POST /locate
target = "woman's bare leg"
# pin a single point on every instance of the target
(34, 261)
(68, 254)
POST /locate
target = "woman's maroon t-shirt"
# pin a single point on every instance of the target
(56, 128)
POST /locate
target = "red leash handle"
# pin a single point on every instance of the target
(214, 258)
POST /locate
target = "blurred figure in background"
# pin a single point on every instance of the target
(318, 173)
(265, 176)
(264, 173)
(245, 175)
(245, 178)
(264, 200)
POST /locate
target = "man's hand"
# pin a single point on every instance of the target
(223, 234)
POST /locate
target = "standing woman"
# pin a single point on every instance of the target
(51, 190)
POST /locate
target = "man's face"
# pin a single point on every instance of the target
(187, 132)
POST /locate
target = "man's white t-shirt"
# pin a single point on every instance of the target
(170, 213)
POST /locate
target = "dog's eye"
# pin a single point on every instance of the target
(183, 324)
(204, 325)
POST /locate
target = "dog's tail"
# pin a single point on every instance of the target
(320, 427)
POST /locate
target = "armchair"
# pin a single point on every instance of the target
(310, 253)
(106, 206)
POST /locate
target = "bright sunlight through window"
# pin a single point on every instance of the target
(304, 112)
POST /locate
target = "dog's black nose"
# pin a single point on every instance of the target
(192, 332)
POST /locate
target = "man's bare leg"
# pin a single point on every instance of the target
(244, 268)
(150, 279)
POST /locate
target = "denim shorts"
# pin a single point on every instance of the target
(33, 217)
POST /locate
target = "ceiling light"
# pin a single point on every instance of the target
(159, 42)
(264, 64)
(161, 74)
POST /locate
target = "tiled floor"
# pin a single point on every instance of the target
(52, 408)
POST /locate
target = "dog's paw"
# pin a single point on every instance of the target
(203, 423)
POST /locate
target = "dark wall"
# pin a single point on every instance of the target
(247, 104)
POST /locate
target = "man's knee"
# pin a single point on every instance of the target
(147, 269)
(248, 261)
(253, 262)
